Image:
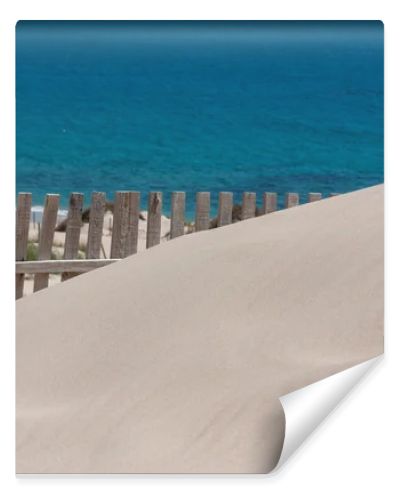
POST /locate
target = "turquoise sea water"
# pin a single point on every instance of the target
(198, 106)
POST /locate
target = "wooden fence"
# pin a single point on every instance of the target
(124, 239)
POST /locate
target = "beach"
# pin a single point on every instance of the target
(59, 242)
(173, 360)
(199, 233)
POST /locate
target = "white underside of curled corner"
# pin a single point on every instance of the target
(306, 408)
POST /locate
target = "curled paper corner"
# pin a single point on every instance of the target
(306, 408)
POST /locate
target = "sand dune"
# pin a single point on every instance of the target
(173, 360)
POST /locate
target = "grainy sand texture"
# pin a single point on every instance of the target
(173, 360)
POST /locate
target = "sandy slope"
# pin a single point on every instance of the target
(172, 360)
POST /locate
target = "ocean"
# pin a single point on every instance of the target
(198, 106)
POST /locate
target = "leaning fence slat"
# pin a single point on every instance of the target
(21, 237)
(202, 211)
(153, 236)
(314, 197)
(270, 203)
(49, 222)
(248, 205)
(178, 199)
(60, 266)
(225, 209)
(291, 200)
(73, 231)
(125, 224)
(96, 222)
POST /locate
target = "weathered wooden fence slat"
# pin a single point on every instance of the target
(125, 227)
(225, 206)
(49, 222)
(291, 200)
(202, 221)
(73, 231)
(270, 203)
(178, 200)
(22, 220)
(153, 236)
(96, 222)
(60, 266)
(314, 197)
(248, 205)
(125, 232)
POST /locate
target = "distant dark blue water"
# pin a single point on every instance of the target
(198, 106)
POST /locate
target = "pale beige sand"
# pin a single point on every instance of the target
(173, 360)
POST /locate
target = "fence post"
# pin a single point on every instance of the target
(314, 197)
(153, 235)
(225, 209)
(96, 222)
(202, 211)
(73, 231)
(270, 203)
(291, 200)
(248, 205)
(178, 199)
(23, 217)
(49, 222)
(125, 229)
